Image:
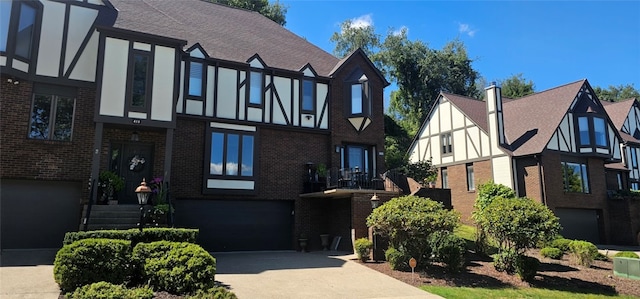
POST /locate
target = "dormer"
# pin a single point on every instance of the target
(137, 78)
(358, 99)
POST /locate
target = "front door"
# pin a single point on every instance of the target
(133, 162)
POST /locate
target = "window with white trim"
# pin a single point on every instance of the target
(232, 154)
(471, 184)
(196, 70)
(308, 95)
(446, 141)
(592, 131)
(444, 175)
(255, 88)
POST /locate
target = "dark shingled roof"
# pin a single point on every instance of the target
(223, 32)
(475, 109)
(618, 111)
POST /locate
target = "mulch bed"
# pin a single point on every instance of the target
(560, 275)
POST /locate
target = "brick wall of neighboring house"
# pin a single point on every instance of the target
(342, 132)
(625, 223)
(596, 199)
(462, 199)
(528, 180)
(24, 158)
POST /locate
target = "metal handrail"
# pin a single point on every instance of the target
(85, 220)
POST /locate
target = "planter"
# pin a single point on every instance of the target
(324, 238)
(303, 244)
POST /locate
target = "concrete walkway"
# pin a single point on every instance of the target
(27, 274)
(307, 275)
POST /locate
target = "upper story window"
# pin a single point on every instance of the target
(308, 98)
(26, 28)
(5, 15)
(139, 87)
(358, 94)
(446, 142)
(356, 99)
(575, 177)
(195, 78)
(232, 154)
(471, 184)
(592, 131)
(634, 158)
(444, 175)
(255, 88)
(52, 115)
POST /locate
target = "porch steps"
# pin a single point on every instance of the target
(111, 217)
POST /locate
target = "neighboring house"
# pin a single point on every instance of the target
(233, 111)
(559, 147)
(626, 116)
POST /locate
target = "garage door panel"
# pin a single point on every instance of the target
(580, 224)
(37, 214)
(238, 225)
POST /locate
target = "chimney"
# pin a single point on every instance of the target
(494, 115)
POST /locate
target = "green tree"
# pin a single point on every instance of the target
(486, 194)
(516, 86)
(274, 11)
(350, 38)
(409, 220)
(423, 171)
(617, 93)
(396, 142)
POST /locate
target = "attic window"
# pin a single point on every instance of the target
(307, 95)
(255, 89)
(195, 79)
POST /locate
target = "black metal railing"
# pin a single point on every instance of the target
(352, 178)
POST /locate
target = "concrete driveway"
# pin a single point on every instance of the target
(307, 275)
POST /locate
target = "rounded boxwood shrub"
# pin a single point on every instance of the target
(448, 249)
(527, 267)
(92, 260)
(105, 290)
(583, 252)
(213, 293)
(552, 253)
(363, 246)
(629, 254)
(505, 261)
(175, 267)
(562, 244)
(397, 259)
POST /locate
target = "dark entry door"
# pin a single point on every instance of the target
(133, 162)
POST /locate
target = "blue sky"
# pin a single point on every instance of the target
(550, 43)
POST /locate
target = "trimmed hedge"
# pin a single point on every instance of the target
(505, 261)
(134, 235)
(562, 244)
(363, 246)
(175, 267)
(583, 252)
(397, 259)
(105, 290)
(552, 253)
(629, 254)
(214, 293)
(92, 260)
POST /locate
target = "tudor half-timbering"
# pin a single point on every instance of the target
(559, 147)
(238, 120)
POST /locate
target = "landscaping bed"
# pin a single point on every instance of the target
(562, 275)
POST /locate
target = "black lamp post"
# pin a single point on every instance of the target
(142, 192)
(375, 202)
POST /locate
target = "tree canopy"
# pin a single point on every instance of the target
(352, 37)
(617, 93)
(516, 86)
(274, 11)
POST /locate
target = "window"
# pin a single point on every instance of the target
(446, 143)
(231, 154)
(307, 95)
(255, 90)
(51, 117)
(592, 131)
(139, 86)
(575, 177)
(356, 99)
(444, 175)
(471, 185)
(634, 158)
(619, 180)
(26, 27)
(195, 79)
(635, 186)
(5, 15)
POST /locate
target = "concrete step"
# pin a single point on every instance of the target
(111, 217)
(109, 226)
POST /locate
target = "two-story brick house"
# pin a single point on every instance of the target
(558, 146)
(232, 110)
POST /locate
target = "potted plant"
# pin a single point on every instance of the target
(110, 183)
(302, 241)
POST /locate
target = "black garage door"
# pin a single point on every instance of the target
(37, 214)
(229, 225)
(579, 224)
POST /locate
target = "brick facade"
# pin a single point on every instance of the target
(461, 198)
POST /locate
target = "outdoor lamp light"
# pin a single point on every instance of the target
(375, 201)
(143, 195)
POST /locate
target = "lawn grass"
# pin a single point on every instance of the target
(481, 293)
(466, 232)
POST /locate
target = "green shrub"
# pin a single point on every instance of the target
(562, 244)
(601, 257)
(409, 220)
(505, 261)
(552, 253)
(448, 249)
(397, 259)
(148, 235)
(363, 246)
(527, 267)
(92, 260)
(105, 290)
(629, 254)
(583, 252)
(175, 267)
(486, 194)
(213, 293)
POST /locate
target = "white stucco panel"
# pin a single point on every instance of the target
(502, 171)
(51, 39)
(230, 184)
(80, 22)
(163, 75)
(459, 148)
(114, 83)
(210, 90)
(85, 69)
(457, 118)
(282, 108)
(227, 93)
(321, 96)
(445, 117)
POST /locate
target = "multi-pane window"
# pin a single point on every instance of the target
(232, 154)
(255, 88)
(444, 175)
(5, 15)
(575, 177)
(51, 117)
(195, 78)
(445, 140)
(307, 95)
(592, 131)
(26, 28)
(635, 186)
(140, 74)
(471, 185)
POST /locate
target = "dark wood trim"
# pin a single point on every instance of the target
(65, 37)
(134, 36)
(279, 102)
(168, 154)
(95, 158)
(324, 112)
(128, 107)
(81, 49)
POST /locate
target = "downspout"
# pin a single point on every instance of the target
(538, 158)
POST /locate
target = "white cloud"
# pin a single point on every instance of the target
(399, 31)
(362, 21)
(466, 29)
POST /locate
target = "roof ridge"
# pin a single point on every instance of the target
(553, 88)
(459, 95)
